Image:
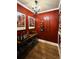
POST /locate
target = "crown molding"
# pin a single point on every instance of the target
(48, 10)
(25, 6)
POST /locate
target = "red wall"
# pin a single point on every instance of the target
(27, 13)
(50, 26)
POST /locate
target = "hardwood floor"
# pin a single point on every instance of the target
(43, 51)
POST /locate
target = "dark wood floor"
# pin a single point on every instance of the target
(43, 51)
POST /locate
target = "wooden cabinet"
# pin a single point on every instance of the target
(25, 45)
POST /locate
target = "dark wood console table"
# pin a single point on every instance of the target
(26, 44)
(26, 39)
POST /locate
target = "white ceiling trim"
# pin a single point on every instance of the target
(49, 10)
(24, 6)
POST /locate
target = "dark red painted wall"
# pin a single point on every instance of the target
(27, 13)
(50, 26)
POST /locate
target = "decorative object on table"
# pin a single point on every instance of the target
(42, 26)
(31, 22)
(21, 21)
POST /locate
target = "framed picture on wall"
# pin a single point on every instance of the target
(21, 21)
(31, 22)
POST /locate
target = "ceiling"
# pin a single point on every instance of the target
(44, 4)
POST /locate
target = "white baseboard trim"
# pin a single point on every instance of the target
(51, 43)
(48, 42)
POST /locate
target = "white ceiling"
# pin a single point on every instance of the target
(44, 4)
